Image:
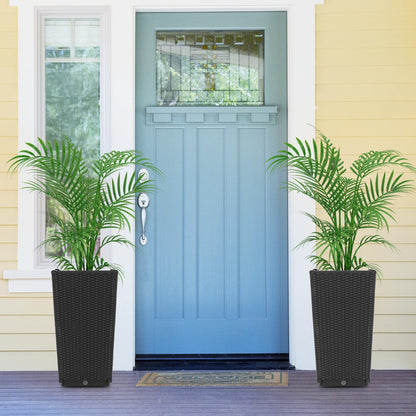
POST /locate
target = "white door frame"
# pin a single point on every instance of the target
(301, 115)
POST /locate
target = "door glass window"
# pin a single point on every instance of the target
(210, 68)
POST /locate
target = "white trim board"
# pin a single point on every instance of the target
(102, 14)
(28, 281)
(301, 113)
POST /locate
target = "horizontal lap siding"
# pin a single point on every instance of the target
(366, 99)
(26, 321)
(28, 361)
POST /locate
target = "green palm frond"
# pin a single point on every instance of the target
(119, 239)
(317, 171)
(63, 263)
(373, 161)
(361, 198)
(91, 199)
(116, 160)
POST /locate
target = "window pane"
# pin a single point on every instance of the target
(210, 68)
(72, 91)
(69, 38)
(57, 38)
(72, 104)
(87, 38)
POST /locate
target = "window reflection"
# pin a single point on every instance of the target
(72, 92)
(210, 68)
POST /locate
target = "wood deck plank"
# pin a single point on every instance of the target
(39, 393)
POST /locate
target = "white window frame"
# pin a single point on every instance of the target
(31, 212)
(301, 113)
(40, 260)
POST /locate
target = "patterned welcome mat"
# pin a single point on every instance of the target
(215, 378)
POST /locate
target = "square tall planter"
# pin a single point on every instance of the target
(343, 316)
(85, 310)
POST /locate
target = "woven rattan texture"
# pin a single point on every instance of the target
(85, 307)
(343, 313)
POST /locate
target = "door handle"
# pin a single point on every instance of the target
(143, 203)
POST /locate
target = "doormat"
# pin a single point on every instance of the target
(216, 378)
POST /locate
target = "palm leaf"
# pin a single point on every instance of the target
(363, 199)
(91, 199)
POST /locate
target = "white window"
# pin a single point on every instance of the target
(71, 91)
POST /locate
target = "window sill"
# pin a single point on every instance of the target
(29, 281)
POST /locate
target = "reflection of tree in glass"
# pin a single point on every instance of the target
(72, 104)
(72, 110)
(234, 84)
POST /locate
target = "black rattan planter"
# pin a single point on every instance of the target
(85, 309)
(343, 313)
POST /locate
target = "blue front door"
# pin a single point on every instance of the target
(211, 108)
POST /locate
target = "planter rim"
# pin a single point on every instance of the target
(84, 271)
(347, 271)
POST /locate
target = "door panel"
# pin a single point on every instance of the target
(213, 275)
(168, 273)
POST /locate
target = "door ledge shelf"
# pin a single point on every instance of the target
(212, 114)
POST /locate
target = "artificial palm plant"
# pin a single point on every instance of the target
(356, 200)
(357, 203)
(92, 198)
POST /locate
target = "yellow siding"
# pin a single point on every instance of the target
(28, 361)
(27, 323)
(26, 320)
(400, 271)
(16, 306)
(392, 360)
(8, 234)
(400, 342)
(390, 306)
(27, 342)
(8, 216)
(4, 157)
(8, 92)
(366, 99)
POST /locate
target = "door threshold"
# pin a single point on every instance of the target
(166, 362)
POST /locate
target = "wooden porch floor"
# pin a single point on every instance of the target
(39, 393)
